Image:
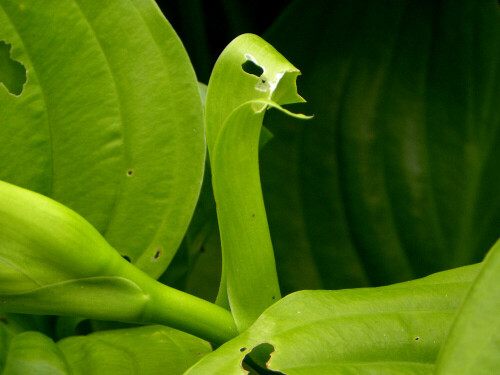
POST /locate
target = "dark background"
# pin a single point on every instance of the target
(219, 21)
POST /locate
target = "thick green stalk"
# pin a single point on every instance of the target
(180, 310)
(52, 261)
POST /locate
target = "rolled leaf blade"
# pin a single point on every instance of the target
(236, 102)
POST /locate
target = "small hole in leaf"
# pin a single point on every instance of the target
(130, 172)
(258, 359)
(252, 68)
(157, 253)
(126, 257)
(243, 349)
(417, 338)
(12, 73)
(274, 297)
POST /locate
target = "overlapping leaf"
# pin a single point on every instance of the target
(397, 175)
(473, 346)
(249, 77)
(109, 122)
(135, 351)
(396, 329)
(52, 261)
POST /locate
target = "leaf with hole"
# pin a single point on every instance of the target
(109, 121)
(397, 329)
(261, 79)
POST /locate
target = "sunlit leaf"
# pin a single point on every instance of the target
(109, 122)
(473, 346)
(53, 262)
(396, 329)
(135, 351)
(249, 77)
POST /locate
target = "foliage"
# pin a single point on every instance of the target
(118, 169)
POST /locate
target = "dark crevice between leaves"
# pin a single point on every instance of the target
(256, 361)
(13, 74)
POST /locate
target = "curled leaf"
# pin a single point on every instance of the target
(249, 77)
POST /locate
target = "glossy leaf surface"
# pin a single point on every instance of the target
(396, 329)
(53, 262)
(249, 77)
(473, 346)
(109, 122)
(135, 351)
(397, 175)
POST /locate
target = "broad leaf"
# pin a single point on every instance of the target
(397, 174)
(396, 329)
(135, 351)
(109, 122)
(473, 346)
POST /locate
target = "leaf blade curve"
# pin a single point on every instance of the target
(134, 351)
(396, 329)
(110, 120)
(472, 345)
(237, 99)
(401, 154)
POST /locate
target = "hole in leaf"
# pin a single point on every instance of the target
(417, 338)
(258, 358)
(243, 349)
(126, 257)
(157, 253)
(252, 68)
(12, 73)
(130, 172)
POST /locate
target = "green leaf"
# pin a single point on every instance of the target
(109, 122)
(397, 174)
(397, 329)
(52, 261)
(34, 353)
(237, 99)
(136, 351)
(473, 345)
